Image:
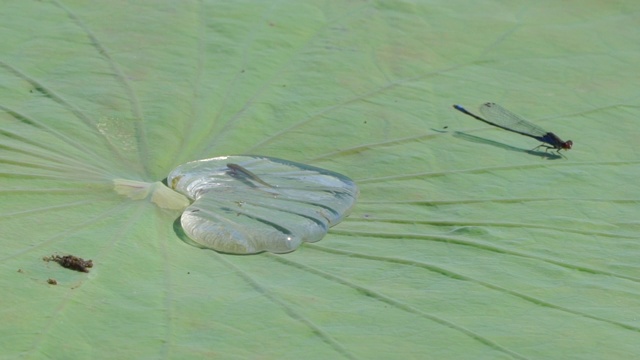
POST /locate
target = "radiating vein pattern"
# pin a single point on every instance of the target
(249, 204)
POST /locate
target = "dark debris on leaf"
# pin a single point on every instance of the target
(71, 262)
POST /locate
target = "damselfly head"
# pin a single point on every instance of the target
(567, 145)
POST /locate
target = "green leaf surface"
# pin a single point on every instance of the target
(463, 245)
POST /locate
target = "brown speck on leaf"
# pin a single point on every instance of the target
(71, 262)
(20, 271)
(52, 282)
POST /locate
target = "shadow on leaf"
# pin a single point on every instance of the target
(476, 139)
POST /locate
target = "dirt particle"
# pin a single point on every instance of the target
(71, 262)
(52, 282)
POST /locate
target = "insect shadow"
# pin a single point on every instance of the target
(480, 140)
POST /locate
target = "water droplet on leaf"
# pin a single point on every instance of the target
(249, 204)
